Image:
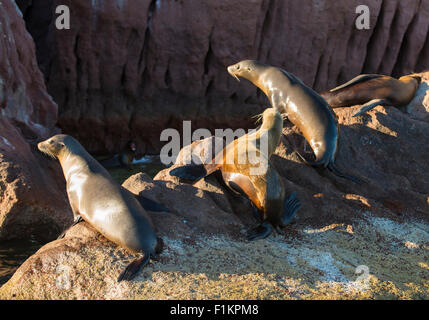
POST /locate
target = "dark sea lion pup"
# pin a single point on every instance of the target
(302, 105)
(96, 198)
(372, 90)
(246, 170)
(123, 159)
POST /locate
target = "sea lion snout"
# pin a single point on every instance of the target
(232, 69)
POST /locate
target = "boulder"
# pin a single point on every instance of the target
(33, 202)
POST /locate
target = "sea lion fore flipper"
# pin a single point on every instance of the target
(290, 207)
(371, 105)
(134, 267)
(193, 172)
(151, 205)
(358, 79)
(77, 219)
(189, 172)
(260, 232)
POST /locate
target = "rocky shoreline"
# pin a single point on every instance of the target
(348, 241)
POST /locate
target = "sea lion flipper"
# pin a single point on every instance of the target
(291, 205)
(77, 219)
(371, 105)
(260, 232)
(151, 205)
(193, 173)
(356, 80)
(133, 268)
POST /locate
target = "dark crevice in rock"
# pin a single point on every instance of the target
(265, 24)
(387, 49)
(209, 88)
(167, 77)
(209, 55)
(373, 40)
(78, 62)
(422, 61)
(400, 64)
(319, 67)
(147, 36)
(38, 17)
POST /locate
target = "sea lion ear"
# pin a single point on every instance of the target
(62, 144)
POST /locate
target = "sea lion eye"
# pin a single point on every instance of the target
(248, 68)
(50, 141)
(238, 67)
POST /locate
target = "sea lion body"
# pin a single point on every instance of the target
(99, 200)
(246, 170)
(305, 108)
(371, 90)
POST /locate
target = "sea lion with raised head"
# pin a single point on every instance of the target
(301, 105)
(96, 198)
(371, 90)
(246, 169)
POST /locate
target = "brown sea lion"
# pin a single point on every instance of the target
(371, 90)
(256, 180)
(302, 105)
(96, 198)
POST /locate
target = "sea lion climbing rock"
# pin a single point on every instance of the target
(301, 105)
(108, 207)
(256, 180)
(371, 90)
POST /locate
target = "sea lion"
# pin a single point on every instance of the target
(123, 159)
(301, 105)
(371, 90)
(96, 198)
(256, 180)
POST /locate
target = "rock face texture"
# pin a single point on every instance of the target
(348, 241)
(133, 68)
(32, 190)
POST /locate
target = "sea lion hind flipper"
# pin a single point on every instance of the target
(338, 173)
(291, 205)
(260, 232)
(371, 105)
(151, 205)
(356, 80)
(190, 173)
(133, 268)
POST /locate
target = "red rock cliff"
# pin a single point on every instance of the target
(132, 68)
(32, 190)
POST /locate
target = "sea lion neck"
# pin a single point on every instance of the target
(272, 125)
(72, 159)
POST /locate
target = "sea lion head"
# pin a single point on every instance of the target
(58, 145)
(415, 77)
(418, 77)
(132, 145)
(245, 69)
